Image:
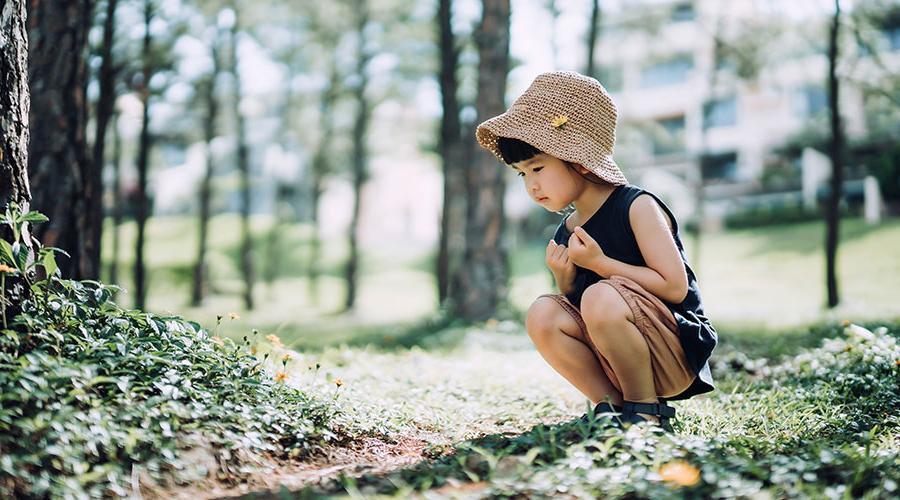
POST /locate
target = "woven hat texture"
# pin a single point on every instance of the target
(566, 115)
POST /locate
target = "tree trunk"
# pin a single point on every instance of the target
(105, 108)
(144, 145)
(360, 128)
(836, 152)
(65, 183)
(483, 279)
(321, 166)
(14, 103)
(116, 201)
(453, 212)
(201, 277)
(592, 37)
(243, 164)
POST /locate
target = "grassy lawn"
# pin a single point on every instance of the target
(760, 281)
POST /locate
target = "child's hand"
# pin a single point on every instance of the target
(560, 265)
(584, 250)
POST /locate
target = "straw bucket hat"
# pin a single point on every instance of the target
(563, 114)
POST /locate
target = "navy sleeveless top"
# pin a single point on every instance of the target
(611, 227)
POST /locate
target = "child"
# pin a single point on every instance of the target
(628, 328)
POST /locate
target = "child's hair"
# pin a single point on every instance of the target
(514, 151)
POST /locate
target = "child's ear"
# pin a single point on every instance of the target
(582, 169)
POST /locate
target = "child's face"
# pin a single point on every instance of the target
(549, 181)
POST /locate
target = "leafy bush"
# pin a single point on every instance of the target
(93, 394)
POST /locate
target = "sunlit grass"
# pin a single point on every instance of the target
(755, 281)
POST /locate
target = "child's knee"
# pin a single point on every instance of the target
(540, 321)
(603, 309)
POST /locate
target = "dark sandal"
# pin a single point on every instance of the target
(603, 410)
(631, 410)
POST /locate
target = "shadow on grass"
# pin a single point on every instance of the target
(467, 462)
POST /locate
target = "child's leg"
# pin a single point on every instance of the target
(610, 324)
(555, 334)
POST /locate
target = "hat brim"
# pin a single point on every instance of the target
(562, 142)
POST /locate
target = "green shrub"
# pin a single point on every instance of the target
(91, 391)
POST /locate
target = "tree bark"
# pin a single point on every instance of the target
(14, 107)
(360, 155)
(243, 164)
(836, 152)
(201, 278)
(64, 183)
(483, 279)
(453, 211)
(144, 145)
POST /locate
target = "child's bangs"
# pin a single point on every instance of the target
(514, 150)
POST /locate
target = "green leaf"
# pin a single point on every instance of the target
(34, 216)
(50, 266)
(7, 251)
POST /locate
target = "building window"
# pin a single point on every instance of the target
(683, 12)
(720, 113)
(719, 166)
(668, 72)
(611, 77)
(668, 136)
(809, 101)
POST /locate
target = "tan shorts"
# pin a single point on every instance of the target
(654, 320)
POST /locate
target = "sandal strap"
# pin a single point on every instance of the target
(658, 409)
(604, 407)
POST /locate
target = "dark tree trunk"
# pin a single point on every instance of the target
(201, 277)
(321, 166)
(360, 128)
(144, 145)
(14, 103)
(483, 278)
(836, 152)
(65, 184)
(243, 164)
(592, 37)
(453, 212)
(105, 109)
(116, 201)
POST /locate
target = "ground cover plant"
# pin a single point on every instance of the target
(97, 398)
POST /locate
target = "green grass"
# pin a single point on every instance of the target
(762, 280)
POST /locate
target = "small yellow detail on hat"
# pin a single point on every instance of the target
(559, 121)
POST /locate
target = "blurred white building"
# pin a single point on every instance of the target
(675, 109)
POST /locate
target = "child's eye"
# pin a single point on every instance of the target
(521, 174)
(537, 169)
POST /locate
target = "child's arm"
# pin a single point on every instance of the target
(561, 266)
(664, 275)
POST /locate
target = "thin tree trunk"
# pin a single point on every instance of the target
(105, 109)
(201, 277)
(360, 128)
(116, 201)
(321, 166)
(452, 218)
(592, 37)
(14, 104)
(142, 209)
(243, 163)
(65, 185)
(836, 151)
(484, 276)
(554, 22)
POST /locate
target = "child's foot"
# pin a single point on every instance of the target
(657, 413)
